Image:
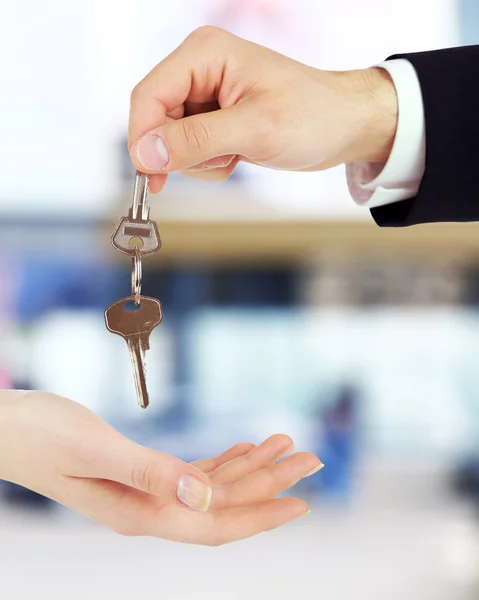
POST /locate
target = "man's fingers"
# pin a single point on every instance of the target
(192, 107)
(185, 75)
(183, 143)
(220, 162)
(210, 172)
(160, 94)
(156, 183)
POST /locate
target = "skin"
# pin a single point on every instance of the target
(215, 101)
(219, 99)
(62, 450)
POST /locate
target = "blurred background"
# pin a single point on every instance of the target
(285, 310)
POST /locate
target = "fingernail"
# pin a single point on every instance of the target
(194, 493)
(303, 514)
(152, 152)
(288, 451)
(315, 470)
(213, 163)
(219, 162)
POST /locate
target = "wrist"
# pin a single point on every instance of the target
(378, 117)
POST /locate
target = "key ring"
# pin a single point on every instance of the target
(136, 274)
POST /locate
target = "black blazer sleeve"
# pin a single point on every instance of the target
(449, 190)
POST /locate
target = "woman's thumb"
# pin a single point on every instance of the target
(168, 478)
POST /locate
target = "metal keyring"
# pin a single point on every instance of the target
(136, 273)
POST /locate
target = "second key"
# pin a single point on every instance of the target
(135, 324)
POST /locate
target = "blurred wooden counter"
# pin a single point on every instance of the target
(232, 227)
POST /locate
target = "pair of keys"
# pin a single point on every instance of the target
(135, 317)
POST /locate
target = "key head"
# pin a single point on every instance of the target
(138, 322)
(128, 229)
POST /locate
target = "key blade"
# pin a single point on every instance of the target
(137, 356)
(139, 208)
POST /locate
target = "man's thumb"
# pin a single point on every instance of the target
(183, 143)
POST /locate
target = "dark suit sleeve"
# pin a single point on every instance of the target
(449, 189)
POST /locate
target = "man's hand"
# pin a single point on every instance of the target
(218, 99)
(60, 449)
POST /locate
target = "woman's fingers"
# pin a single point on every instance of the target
(133, 513)
(210, 464)
(102, 453)
(266, 483)
(261, 456)
(216, 528)
(236, 524)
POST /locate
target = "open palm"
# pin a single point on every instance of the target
(64, 451)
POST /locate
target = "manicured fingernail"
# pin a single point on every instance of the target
(152, 152)
(315, 470)
(288, 451)
(303, 514)
(194, 493)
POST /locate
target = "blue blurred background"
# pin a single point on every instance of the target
(286, 310)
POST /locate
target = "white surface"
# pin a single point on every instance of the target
(361, 554)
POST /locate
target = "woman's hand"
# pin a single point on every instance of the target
(60, 449)
(218, 99)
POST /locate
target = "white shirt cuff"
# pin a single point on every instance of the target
(373, 185)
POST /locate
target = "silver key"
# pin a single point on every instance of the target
(135, 327)
(137, 225)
